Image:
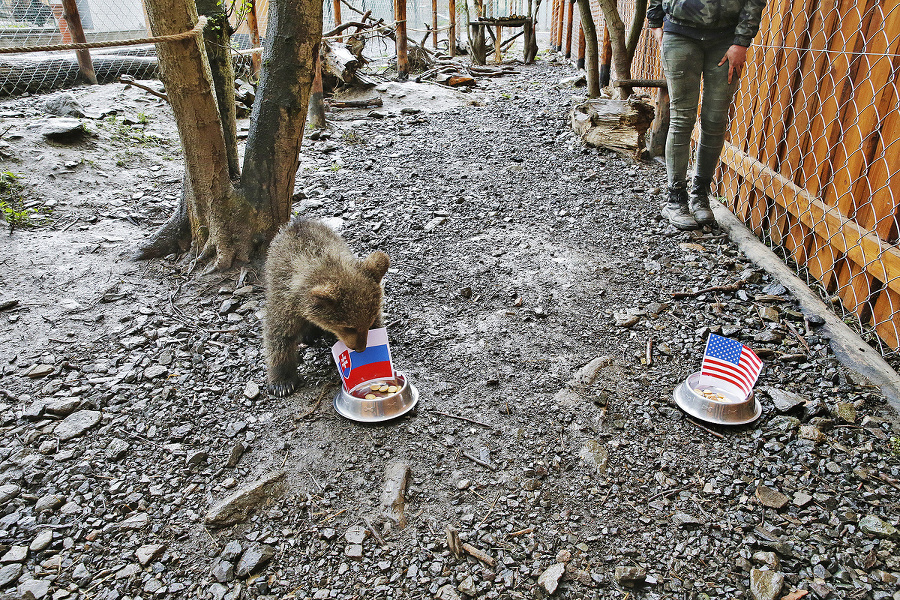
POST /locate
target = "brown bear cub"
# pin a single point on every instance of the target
(314, 283)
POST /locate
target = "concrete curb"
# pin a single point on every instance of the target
(848, 347)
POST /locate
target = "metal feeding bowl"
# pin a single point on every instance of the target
(722, 407)
(379, 405)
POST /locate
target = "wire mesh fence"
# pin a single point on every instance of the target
(813, 160)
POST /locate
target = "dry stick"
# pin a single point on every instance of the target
(520, 532)
(478, 461)
(707, 429)
(666, 493)
(482, 556)
(649, 352)
(888, 480)
(490, 510)
(130, 81)
(375, 534)
(315, 406)
(799, 337)
(732, 287)
(463, 419)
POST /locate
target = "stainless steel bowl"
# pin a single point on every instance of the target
(733, 410)
(377, 409)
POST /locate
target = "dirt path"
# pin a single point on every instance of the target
(517, 258)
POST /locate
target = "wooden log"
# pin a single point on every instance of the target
(560, 24)
(581, 48)
(531, 47)
(253, 26)
(337, 15)
(498, 52)
(364, 103)
(434, 26)
(606, 59)
(619, 125)
(659, 130)
(70, 14)
(317, 98)
(570, 15)
(337, 60)
(402, 46)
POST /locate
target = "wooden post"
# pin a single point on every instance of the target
(560, 24)
(553, 12)
(581, 46)
(497, 54)
(451, 35)
(605, 58)
(434, 23)
(337, 17)
(659, 129)
(569, 17)
(73, 20)
(402, 50)
(253, 26)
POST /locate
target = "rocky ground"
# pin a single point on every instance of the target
(530, 302)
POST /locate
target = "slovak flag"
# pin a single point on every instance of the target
(727, 362)
(373, 363)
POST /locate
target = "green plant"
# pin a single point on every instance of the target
(895, 446)
(143, 119)
(12, 202)
(351, 137)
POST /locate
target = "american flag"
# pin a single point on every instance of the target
(729, 361)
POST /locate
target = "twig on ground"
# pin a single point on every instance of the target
(375, 533)
(468, 420)
(478, 461)
(799, 337)
(706, 429)
(666, 493)
(315, 405)
(130, 81)
(731, 287)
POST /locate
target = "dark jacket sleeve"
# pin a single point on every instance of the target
(748, 26)
(655, 14)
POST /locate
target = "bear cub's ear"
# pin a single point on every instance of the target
(376, 265)
(324, 295)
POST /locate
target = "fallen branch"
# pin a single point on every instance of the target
(364, 103)
(468, 420)
(478, 461)
(732, 287)
(706, 429)
(799, 337)
(128, 79)
(482, 556)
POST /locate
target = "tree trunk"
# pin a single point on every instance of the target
(279, 114)
(223, 223)
(591, 51)
(217, 36)
(621, 60)
(637, 28)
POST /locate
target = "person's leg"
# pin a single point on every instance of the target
(717, 95)
(682, 59)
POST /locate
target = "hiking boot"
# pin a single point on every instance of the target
(676, 209)
(699, 202)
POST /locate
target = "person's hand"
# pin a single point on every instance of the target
(657, 33)
(735, 57)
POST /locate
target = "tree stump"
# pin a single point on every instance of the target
(619, 125)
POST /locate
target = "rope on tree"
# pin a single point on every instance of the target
(175, 37)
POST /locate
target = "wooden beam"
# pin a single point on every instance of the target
(73, 19)
(863, 247)
(569, 19)
(451, 35)
(402, 48)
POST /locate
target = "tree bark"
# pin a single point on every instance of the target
(591, 50)
(637, 28)
(222, 221)
(621, 60)
(217, 38)
(279, 114)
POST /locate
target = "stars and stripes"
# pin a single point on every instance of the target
(729, 361)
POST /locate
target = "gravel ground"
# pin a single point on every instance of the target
(142, 457)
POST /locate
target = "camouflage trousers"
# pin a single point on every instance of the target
(687, 61)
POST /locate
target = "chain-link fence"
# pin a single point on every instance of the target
(813, 160)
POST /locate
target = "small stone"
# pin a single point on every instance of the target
(463, 484)
(231, 551)
(128, 571)
(846, 411)
(38, 371)
(8, 491)
(10, 573)
(64, 105)
(77, 424)
(446, 592)
(148, 553)
(354, 551)
(467, 586)
(630, 575)
(549, 579)
(62, 407)
(238, 505)
(237, 451)
(15, 554)
(783, 400)
(769, 313)
(41, 541)
(685, 520)
(769, 559)
(34, 589)
(872, 525)
(626, 321)
(196, 458)
(116, 449)
(223, 571)
(48, 502)
(251, 390)
(135, 522)
(771, 498)
(563, 556)
(355, 534)
(595, 455)
(811, 432)
(765, 585)
(253, 558)
(154, 371)
(62, 128)
(801, 499)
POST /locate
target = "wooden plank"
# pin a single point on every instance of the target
(884, 317)
(872, 99)
(797, 239)
(836, 91)
(778, 224)
(759, 211)
(854, 289)
(861, 246)
(822, 262)
(882, 215)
